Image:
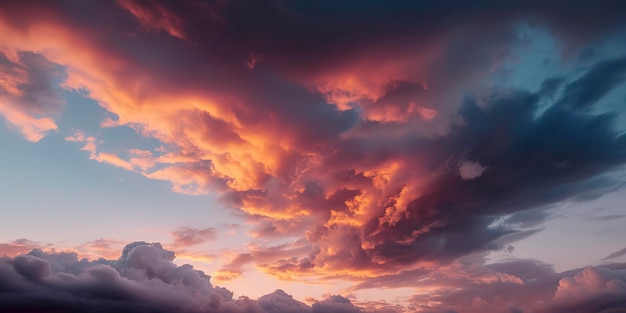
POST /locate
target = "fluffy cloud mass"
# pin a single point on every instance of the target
(384, 139)
(144, 279)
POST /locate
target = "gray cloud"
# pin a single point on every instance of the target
(615, 254)
(143, 279)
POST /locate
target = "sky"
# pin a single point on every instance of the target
(276, 156)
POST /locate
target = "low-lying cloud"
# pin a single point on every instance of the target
(144, 279)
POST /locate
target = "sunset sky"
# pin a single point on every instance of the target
(313, 156)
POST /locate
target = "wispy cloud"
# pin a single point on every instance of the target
(615, 254)
(186, 236)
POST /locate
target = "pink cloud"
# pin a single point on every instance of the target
(19, 246)
(186, 236)
(594, 289)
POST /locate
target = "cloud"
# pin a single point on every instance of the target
(260, 254)
(602, 78)
(471, 170)
(186, 236)
(280, 301)
(594, 289)
(253, 60)
(95, 249)
(143, 279)
(102, 157)
(18, 246)
(533, 162)
(519, 285)
(615, 254)
(29, 100)
(550, 86)
(607, 217)
(335, 304)
(100, 248)
(345, 136)
(153, 15)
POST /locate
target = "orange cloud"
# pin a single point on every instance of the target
(218, 151)
(28, 100)
(33, 128)
(103, 157)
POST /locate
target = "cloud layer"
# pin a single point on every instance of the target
(144, 279)
(377, 137)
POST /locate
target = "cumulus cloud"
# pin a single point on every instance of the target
(594, 289)
(280, 301)
(335, 304)
(518, 285)
(143, 279)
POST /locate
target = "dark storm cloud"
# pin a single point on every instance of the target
(532, 162)
(339, 30)
(602, 78)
